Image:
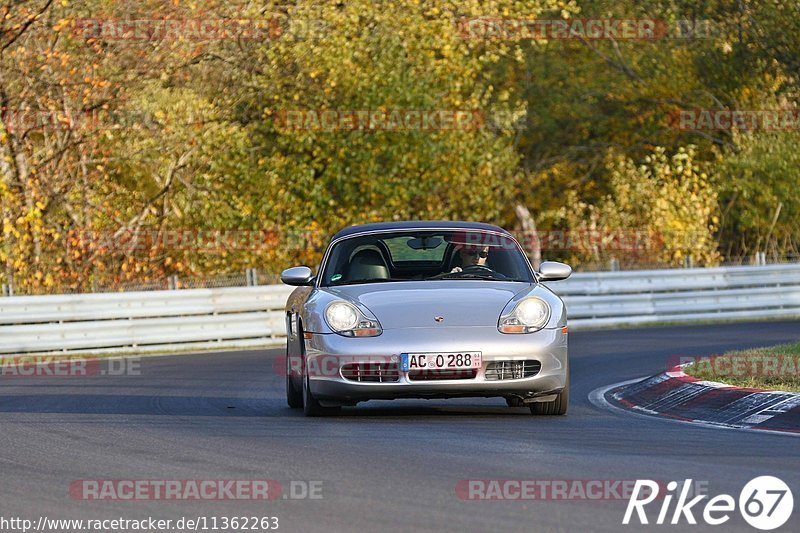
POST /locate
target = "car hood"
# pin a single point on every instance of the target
(412, 304)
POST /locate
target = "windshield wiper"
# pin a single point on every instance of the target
(461, 275)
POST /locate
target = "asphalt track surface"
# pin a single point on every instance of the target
(383, 465)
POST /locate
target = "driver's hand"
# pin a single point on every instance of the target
(456, 269)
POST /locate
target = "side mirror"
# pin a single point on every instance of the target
(554, 271)
(298, 276)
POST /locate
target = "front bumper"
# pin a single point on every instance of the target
(548, 346)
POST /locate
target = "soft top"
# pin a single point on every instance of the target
(418, 224)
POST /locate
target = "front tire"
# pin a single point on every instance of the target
(556, 407)
(514, 401)
(311, 406)
(294, 397)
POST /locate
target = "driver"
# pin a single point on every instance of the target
(472, 255)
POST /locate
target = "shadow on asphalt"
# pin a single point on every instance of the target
(121, 404)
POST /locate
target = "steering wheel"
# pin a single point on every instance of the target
(480, 268)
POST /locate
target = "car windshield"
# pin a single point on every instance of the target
(425, 255)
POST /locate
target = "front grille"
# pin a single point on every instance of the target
(499, 370)
(371, 372)
(430, 375)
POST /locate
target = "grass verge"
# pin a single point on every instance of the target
(768, 368)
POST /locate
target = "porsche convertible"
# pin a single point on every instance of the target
(426, 309)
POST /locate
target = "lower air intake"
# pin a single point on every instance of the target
(500, 370)
(371, 372)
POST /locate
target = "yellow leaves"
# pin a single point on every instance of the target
(664, 198)
(8, 228)
(61, 24)
(360, 55)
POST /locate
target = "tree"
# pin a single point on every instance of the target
(659, 212)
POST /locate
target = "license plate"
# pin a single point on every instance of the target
(439, 361)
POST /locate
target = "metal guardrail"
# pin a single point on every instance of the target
(143, 321)
(605, 299)
(253, 316)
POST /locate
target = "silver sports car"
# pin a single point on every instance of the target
(425, 310)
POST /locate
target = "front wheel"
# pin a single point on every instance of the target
(294, 397)
(555, 407)
(514, 401)
(311, 406)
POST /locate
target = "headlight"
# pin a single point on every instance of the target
(345, 319)
(341, 316)
(529, 315)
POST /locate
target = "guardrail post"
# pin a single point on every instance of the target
(251, 276)
(761, 258)
(613, 264)
(8, 289)
(172, 282)
(688, 261)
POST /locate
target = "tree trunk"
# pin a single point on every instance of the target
(530, 240)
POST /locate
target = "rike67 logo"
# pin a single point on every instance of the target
(765, 503)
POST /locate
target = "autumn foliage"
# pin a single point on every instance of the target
(139, 140)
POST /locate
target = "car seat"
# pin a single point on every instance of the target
(367, 264)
